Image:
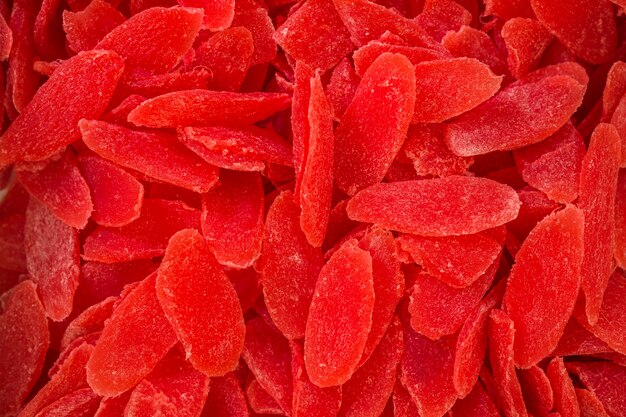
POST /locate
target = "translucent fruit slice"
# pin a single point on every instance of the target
(201, 304)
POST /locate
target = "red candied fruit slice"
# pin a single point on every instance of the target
(448, 206)
(535, 206)
(173, 384)
(473, 43)
(8, 279)
(526, 40)
(366, 393)
(316, 188)
(59, 185)
(340, 316)
(458, 261)
(618, 119)
(69, 378)
(205, 108)
(300, 121)
(426, 148)
(553, 166)
(315, 35)
(598, 185)
(12, 251)
(218, 15)
(225, 399)
(614, 89)
(471, 343)
(119, 114)
(620, 220)
(587, 28)
(82, 402)
(606, 380)
(431, 299)
(155, 85)
(367, 21)
(426, 372)
(537, 390)
(144, 238)
(365, 147)
(590, 405)
(201, 304)
(156, 154)
(260, 401)
(84, 29)
(441, 16)
(516, 116)
(578, 341)
(267, 354)
(24, 338)
(403, 405)
(117, 196)
(289, 267)
(449, 87)
(167, 34)
(134, 340)
(228, 56)
(254, 17)
(237, 148)
(80, 88)
(476, 404)
(52, 259)
(508, 9)
(611, 324)
(89, 321)
(232, 218)
(388, 284)
(565, 401)
(543, 285)
(309, 400)
(6, 37)
(501, 341)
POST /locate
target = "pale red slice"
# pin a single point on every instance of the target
(52, 259)
(59, 185)
(598, 186)
(201, 304)
(340, 316)
(80, 88)
(173, 384)
(117, 196)
(206, 108)
(449, 87)
(167, 34)
(157, 154)
(543, 285)
(144, 238)
(137, 329)
(448, 206)
(24, 338)
(289, 267)
(366, 146)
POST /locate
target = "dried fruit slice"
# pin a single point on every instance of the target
(448, 206)
(458, 261)
(24, 338)
(59, 185)
(365, 147)
(340, 316)
(590, 405)
(117, 196)
(201, 304)
(260, 401)
(91, 320)
(218, 15)
(83, 402)
(403, 405)
(167, 34)
(537, 390)
(565, 401)
(598, 185)
(80, 88)
(144, 238)
(606, 380)
(473, 43)
(254, 16)
(476, 404)
(366, 393)
(237, 148)
(134, 340)
(12, 250)
(577, 340)
(289, 267)
(52, 259)
(315, 35)
(300, 121)
(620, 220)
(449, 87)
(316, 187)
(365, 56)
(206, 108)
(84, 29)
(225, 399)
(157, 154)
(525, 40)
(543, 284)
(173, 384)
(587, 28)
(267, 354)
(516, 116)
